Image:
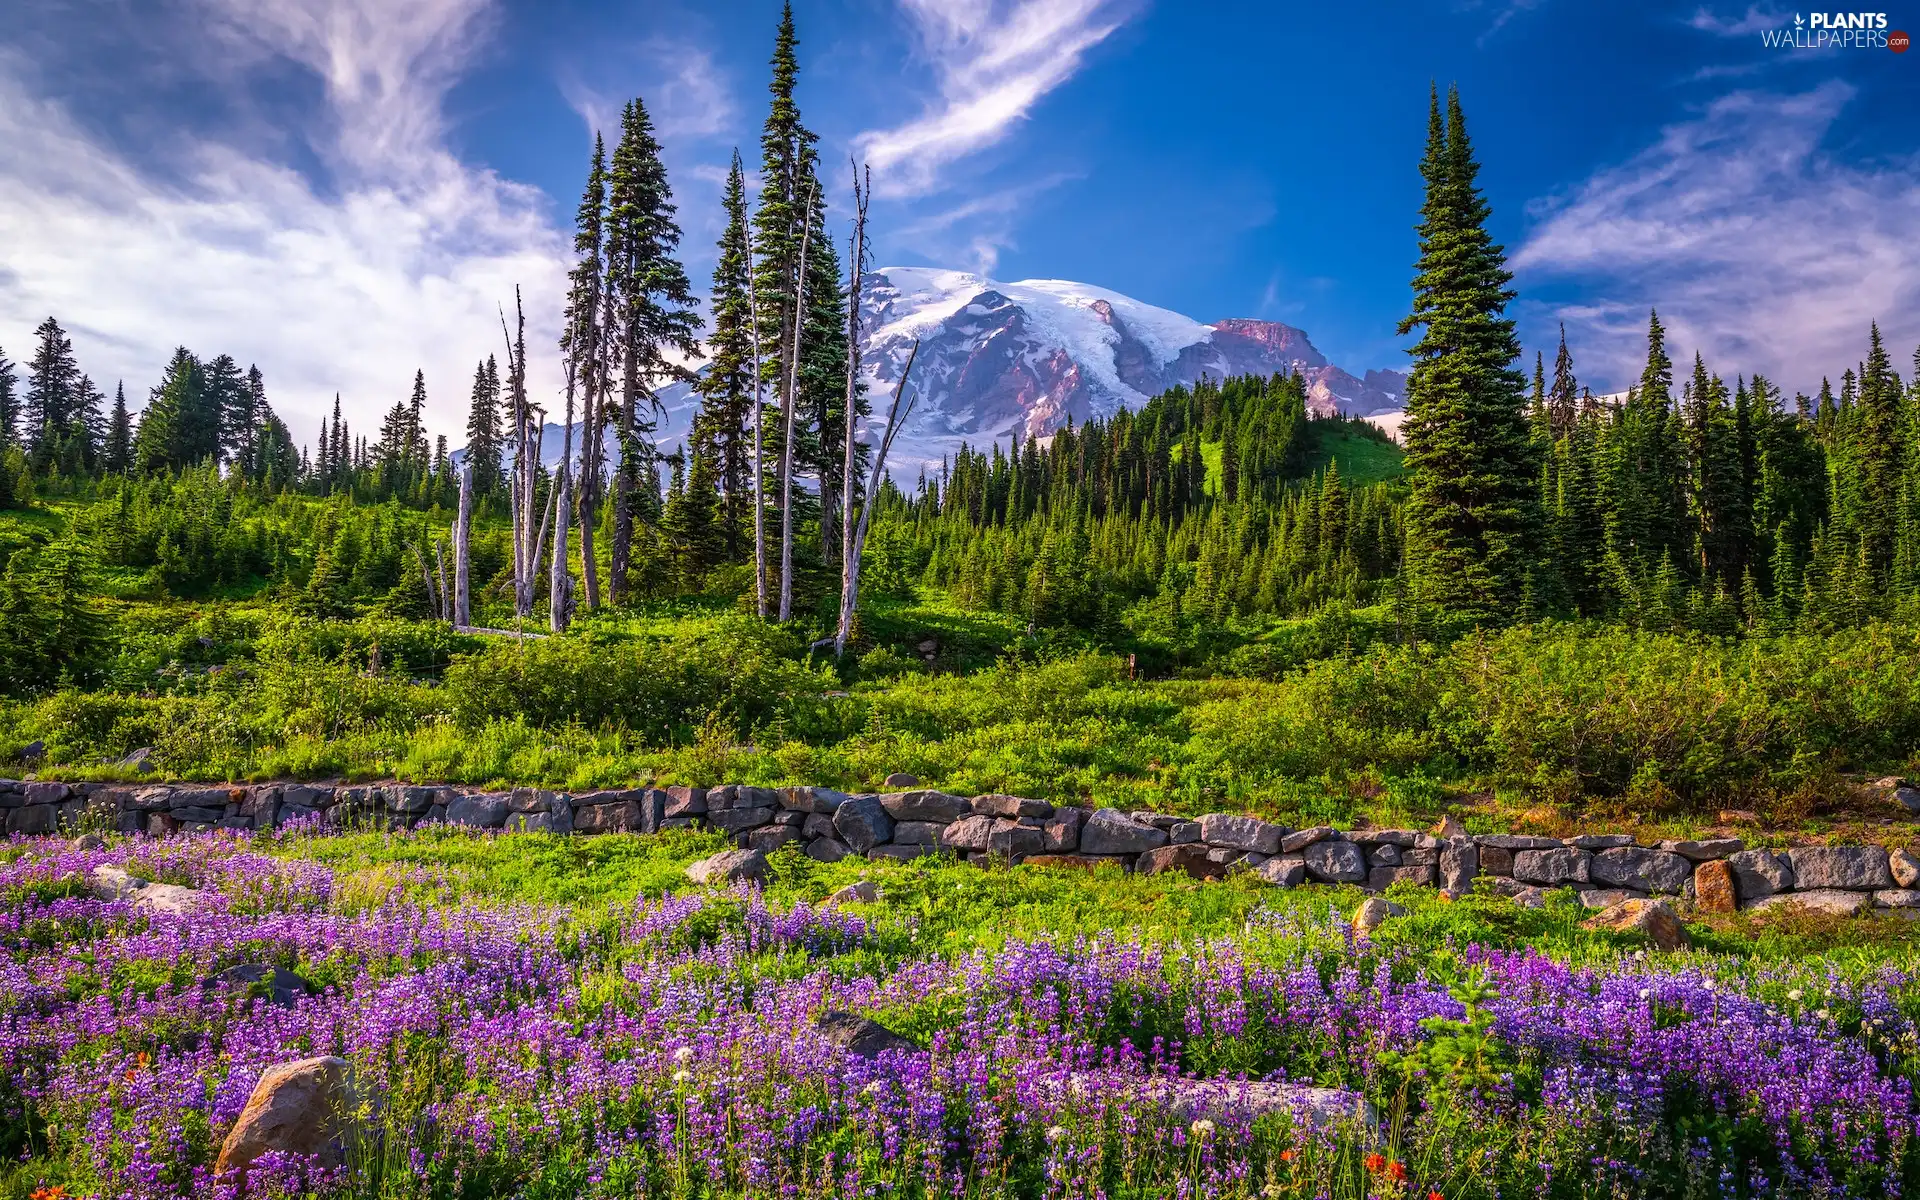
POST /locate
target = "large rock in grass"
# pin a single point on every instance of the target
(281, 988)
(1287, 870)
(1851, 868)
(1459, 864)
(860, 1036)
(305, 1108)
(1241, 833)
(1654, 918)
(113, 883)
(967, 835)
(1109, 831)
(1062, 829)
(729, 867)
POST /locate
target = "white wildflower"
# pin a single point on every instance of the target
(681, 1077)
(1056, 1132)
(683, 1054)
(1202, 1128)
(1794, 995)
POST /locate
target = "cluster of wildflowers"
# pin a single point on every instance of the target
(670, 1052)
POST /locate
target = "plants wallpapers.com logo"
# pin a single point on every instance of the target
(1837, 31)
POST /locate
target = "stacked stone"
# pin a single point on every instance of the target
(1717, 874)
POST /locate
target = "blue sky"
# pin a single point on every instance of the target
(341, 190)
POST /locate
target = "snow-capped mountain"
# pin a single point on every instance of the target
(1002, 358)
(997, 359)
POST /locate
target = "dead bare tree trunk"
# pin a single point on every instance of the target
(850, 592)
(426, 579)
(849, 568)
(520, 496)
(462, 539)
(444, 608)
(759, 454)
(792, 402)
(560, 579)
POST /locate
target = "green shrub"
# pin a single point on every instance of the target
(734, 668)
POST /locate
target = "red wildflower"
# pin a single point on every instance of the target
(1398, 1171)
(1375, 1161)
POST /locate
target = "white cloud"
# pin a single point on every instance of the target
(975, 231)
(397, 261)
(993, 62)
(1756, 246)
(1756, 18)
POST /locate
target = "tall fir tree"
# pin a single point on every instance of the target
(1472, 512)
(728, 388)
(172, 426)
(654, 327)
(53, 393)
(483, 429)
(116, 457)
(9, 404)
(787, 163)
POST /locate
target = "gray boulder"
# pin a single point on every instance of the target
(1905, 866)
(1705, 848)
(812, 799)
(1758, 874)
(733, 820)
(1241, 833)
(1062, 830)
(827, 850)
(682, 801)
(1335, 862)
(996, 805)
(479, 809)
(1373, 913)
(926, 805)
(863, 823)
(917, 833)
(1010, 839)
(1300, 839)
(1459, 863)
(1641, 869)
(967, 835)
(281, 988)
(1109, 831)
(1552, 867)
(1853, 868)
(1288, 870)
(729, 866)
(1826, 900)
(860, 1036)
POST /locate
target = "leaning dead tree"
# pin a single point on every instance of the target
(791, 402)
(850, 576)
(849, 568)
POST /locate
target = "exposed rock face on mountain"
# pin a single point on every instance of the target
(998, 359)
(1003, 358)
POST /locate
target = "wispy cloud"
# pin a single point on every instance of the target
(976, 231)
(993, 60)
(1756, 18)
(686, 93)
(1503, 12)
(1757, 247)
(395, 261)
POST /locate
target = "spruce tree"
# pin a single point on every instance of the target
(727, 388)
(1563, 394)
(170, 425)
(116, 457)
(483, 429)
(1472, 514)
(229, 402)
(1876, 455)
(787, 160)
(9, 404)
(653, 309)
(53, 393)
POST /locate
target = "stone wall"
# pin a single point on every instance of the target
(1717, 874)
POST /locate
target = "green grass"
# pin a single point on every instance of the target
(947, 907)
(1362, 460)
